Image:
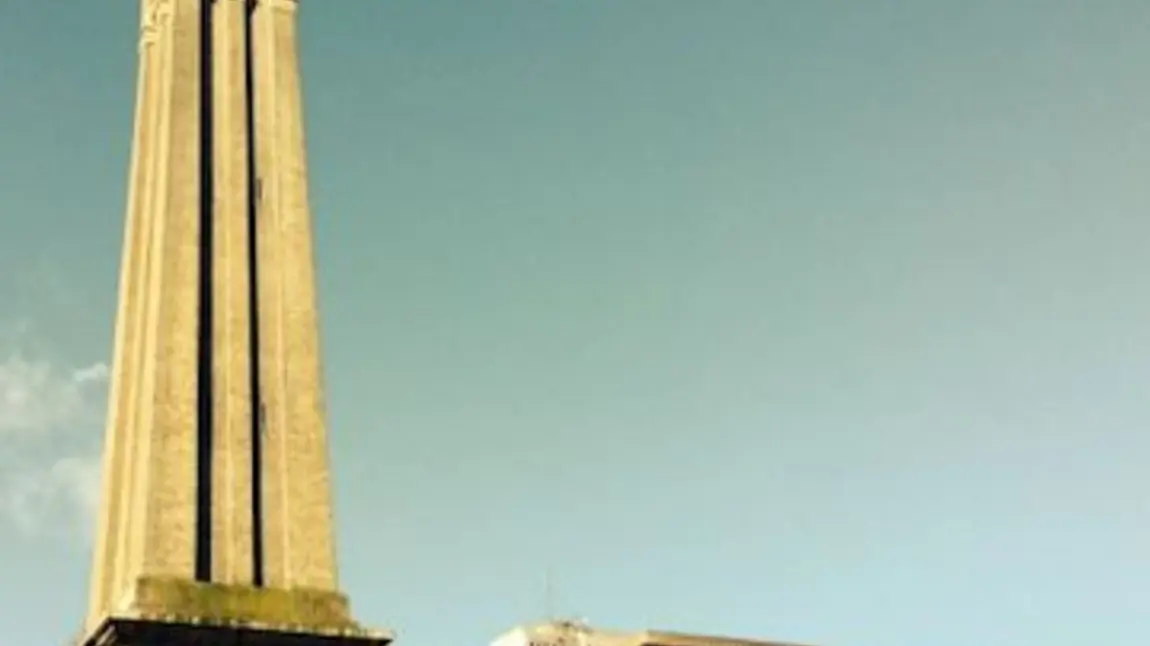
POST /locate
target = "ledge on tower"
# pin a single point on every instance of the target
(175, 612)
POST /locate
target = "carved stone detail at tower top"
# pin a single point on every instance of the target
(156, 15)
(282, 5)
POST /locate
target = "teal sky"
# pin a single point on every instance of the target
(820, 321)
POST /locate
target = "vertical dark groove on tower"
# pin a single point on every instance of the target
(203, 562)
(257, 407)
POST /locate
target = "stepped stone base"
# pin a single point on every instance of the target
(186, 613)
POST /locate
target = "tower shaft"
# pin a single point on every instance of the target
(216, 478)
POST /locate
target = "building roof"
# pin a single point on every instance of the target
(591, 636)
(667, 638)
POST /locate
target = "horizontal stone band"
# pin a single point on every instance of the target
(217, 603)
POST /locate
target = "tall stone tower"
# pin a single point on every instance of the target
(216, 519)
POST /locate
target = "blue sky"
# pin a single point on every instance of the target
(820, 321)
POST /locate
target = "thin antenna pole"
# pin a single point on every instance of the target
(549, 593)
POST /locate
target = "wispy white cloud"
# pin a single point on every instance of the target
(50, 416)
(36, 396)
(60, 496)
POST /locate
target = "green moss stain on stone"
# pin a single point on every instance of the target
(217, 603)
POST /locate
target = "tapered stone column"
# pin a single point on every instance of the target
(110, 549)
(300, 545)
(232, 359)
(216, 522)
(166, 486)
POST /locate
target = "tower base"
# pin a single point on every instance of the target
(176, 612)
(146, 632)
